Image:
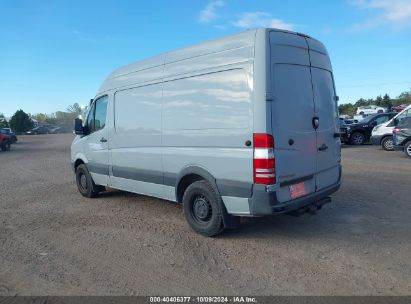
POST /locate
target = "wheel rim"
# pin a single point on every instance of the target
(357, 139)
(409, 150)
(82, 182)
(388, 144)
(201, 209)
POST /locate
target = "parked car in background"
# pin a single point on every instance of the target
(360, 133)
(358, 118)
(13, 137)
(351, 121)
(5, 140)
(55, 130)
(371, 109)
(382, 134)
(398, 108)
(61, 129)
(402, 136)
(343, 130)
(38, 130)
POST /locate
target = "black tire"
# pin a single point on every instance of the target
(361, 113)
(387, 143)
(380, 111)
(5, 146)
(357, 138)
(202, 209)
(407, 149)
(85, 183)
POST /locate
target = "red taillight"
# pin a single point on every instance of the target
(264, 162)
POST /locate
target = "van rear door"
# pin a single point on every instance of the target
(292, 110)
(304, 116)
(326, 109)
(328, 136)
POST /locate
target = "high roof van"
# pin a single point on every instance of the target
(245, 125)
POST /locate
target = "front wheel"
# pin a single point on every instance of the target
(357, 138)
(85, 183)
(407, 149)
(387, 144)
(202, 209)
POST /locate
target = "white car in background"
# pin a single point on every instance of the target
(371, 109)
(382, 134)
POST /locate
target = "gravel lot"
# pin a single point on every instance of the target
(55, 242)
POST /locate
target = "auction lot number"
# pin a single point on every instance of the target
(188, 299)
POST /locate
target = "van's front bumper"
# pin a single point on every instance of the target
(266, 203)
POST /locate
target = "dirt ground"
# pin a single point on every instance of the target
(56, 242)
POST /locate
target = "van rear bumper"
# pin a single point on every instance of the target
(266, 203)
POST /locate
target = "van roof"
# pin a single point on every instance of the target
(234, 41)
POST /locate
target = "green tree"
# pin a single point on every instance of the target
(347, 109)
(65, 118)
(40, 117)
(74, 109)
(361, 102)
(21, 122)
(3, 121)
(404, 98)
(379, 101)
(44, 118)
(386, 102)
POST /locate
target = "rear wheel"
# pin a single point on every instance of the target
(357, 138)
(85, 183)
(387, 143)
(407, 149)
(380, 111)
(361, 113)
(202, 209)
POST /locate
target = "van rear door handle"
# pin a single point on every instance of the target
(323, 147)
(103, 139)
(316, 122)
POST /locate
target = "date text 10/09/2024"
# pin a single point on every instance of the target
(177, 299)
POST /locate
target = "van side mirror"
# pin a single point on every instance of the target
(396, 121)
(78, 126)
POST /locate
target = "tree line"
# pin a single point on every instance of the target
(386, 101)
(22, 121)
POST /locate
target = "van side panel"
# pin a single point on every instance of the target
(136, 140)
(206, 121)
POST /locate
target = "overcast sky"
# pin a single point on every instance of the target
(54, 53)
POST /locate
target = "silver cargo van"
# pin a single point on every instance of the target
(245, 125)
